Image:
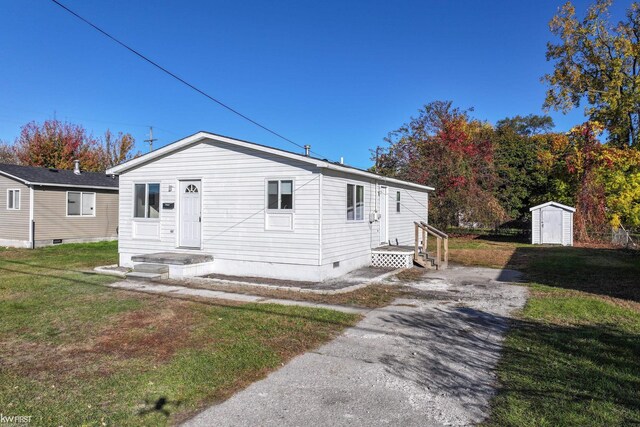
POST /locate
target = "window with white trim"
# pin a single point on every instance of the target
(280, 194)
(146, 201)
(397, 201)
(355, 202)
(81, 204)
(13, 200)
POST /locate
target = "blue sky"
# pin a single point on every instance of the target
(338, 75)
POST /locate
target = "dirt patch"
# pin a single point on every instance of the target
(411, 274)
(156, 332)
(492, 257)
(372, 296)
(149, 332)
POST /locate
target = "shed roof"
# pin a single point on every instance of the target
(556, 204)
(32, 175)
(197, 137)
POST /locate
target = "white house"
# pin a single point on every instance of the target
(552, 223)
(260, 211)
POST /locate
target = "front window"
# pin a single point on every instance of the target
(146, 201)
(397, 201)
(280, 194)
(355, 202)
(81, 204)
(13, 200)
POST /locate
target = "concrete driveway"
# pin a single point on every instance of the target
(416, 362)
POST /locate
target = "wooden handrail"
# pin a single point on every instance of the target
(442, 245)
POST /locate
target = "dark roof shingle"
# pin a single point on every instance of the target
(38, 175)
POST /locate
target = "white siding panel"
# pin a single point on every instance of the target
(342, 239)
(535, 226)
(413, 208)
(567, 229)
(233, 204)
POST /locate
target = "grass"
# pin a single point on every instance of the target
(76, 353)
(572, 356)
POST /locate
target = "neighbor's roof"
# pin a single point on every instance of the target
(32, 175)
(197, 137)
(556, 204)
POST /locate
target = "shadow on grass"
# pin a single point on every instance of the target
(569, 375)
(562, 369)
(606, 272)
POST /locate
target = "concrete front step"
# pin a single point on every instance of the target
(173, 258)
(139, 275)
(151, 268)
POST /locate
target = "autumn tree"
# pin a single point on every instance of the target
(517, 141)
(598, 62)
(56, 144)
(117, 149)
(445, 148)
(7, 153)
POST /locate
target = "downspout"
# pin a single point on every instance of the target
(320, 242)
(32, 224)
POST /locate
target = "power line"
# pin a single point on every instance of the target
(181, 80)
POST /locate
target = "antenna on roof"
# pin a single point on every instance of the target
(151, 139)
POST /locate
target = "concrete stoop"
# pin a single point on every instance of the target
(165, 265)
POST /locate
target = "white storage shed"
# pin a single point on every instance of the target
(552, 223)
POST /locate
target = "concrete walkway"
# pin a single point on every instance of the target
(415, 363)
(182, 291)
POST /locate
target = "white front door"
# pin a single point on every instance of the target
(551, 226)
(190, 215)
(384, 211)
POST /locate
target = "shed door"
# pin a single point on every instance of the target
(190, 219)
(551, 226)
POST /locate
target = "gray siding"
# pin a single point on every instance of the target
(14, 224)
(233, 204)
(50, 215)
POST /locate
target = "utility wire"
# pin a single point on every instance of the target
(181, 80)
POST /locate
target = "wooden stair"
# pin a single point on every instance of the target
(421, 256)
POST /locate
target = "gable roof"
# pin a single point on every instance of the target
(32, 175)
(556, 204)
(200, 136)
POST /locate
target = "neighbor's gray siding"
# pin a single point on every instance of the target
(50, 215)
(14, 225)
(233, 204)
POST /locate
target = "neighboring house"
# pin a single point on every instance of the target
(40, 206)
(261, 211)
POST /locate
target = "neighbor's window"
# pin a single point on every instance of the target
(146, 201)
(13, 200)
(355, 202)
(81, 204)
(397, 201)
(280, 194)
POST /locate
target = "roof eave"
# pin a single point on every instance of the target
(116, 170)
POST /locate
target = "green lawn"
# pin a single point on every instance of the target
(572, 357)
(73, 352)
